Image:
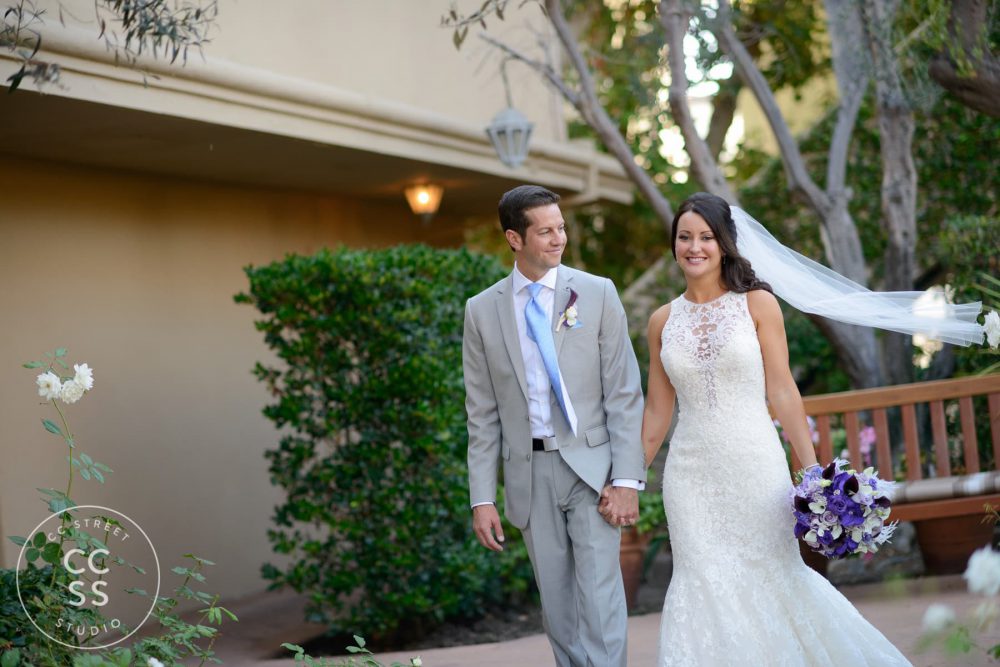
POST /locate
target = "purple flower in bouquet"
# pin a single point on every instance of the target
(840, 512)
(838, 505)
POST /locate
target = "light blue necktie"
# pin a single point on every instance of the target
(540, 331)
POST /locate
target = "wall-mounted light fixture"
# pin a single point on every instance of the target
(424, 199)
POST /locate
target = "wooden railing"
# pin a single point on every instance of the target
(875, 402)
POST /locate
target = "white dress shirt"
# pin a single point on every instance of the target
(539, 386)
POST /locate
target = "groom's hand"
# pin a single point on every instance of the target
(619, 505)
(486, 523)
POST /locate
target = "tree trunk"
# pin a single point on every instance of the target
(856, 349)
(855, 346)
(899, 176)
(723, 112)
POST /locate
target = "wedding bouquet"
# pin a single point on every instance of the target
(839, 511)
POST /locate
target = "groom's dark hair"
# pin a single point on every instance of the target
(523, 198)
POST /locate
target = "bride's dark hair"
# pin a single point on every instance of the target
(737, 274)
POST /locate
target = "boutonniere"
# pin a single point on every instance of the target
(569, 317)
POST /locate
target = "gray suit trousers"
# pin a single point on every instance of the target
(574, 553)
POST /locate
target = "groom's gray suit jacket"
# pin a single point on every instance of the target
(601, 375)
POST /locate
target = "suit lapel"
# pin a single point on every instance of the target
(508, 328)
(564, 280)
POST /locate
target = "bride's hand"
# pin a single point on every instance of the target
(604, 506)
(619, 505)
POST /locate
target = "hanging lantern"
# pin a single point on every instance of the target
(509, 133)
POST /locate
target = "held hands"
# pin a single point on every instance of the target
(619, 505)
(486, 523)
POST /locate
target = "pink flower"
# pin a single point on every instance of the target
(867, 438)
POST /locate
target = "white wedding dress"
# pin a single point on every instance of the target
(740, 593)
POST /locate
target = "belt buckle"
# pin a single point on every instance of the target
(550, 444)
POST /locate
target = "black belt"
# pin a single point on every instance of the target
(539, 444)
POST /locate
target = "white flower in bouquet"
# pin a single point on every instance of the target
(818, 504)
(153, 662)
(983, 572)
(49, 385)
(84, 376)
(938, 617)
(992, 327)
(416, 662)
(71, 392)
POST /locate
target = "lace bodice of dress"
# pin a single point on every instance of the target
(712, 357)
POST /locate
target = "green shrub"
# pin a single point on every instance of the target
(370, 401)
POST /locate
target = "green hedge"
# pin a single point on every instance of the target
(370, 401)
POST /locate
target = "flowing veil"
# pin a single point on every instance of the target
(813, 288)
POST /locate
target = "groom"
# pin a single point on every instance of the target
(553, 391)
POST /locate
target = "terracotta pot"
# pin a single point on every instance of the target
(633, 550)
(816, 561)
(947, 543)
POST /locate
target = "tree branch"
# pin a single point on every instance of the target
(706, 170)
(795, 169)
(592, 111)
(542, 68)
(967, 26)
(849, 68)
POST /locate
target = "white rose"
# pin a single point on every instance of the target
(417, 662)
(49, 385)
(71, 392)
(983, 572)
(571, 316)
(84, 376)
(153, 662)
(992, 327)
(938, 617)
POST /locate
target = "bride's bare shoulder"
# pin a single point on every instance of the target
(658, 319)
(763, 303)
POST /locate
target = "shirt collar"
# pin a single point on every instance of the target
(548, 280)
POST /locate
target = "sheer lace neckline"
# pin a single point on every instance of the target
(704, 303)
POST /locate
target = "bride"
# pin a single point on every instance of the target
(740, 593)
